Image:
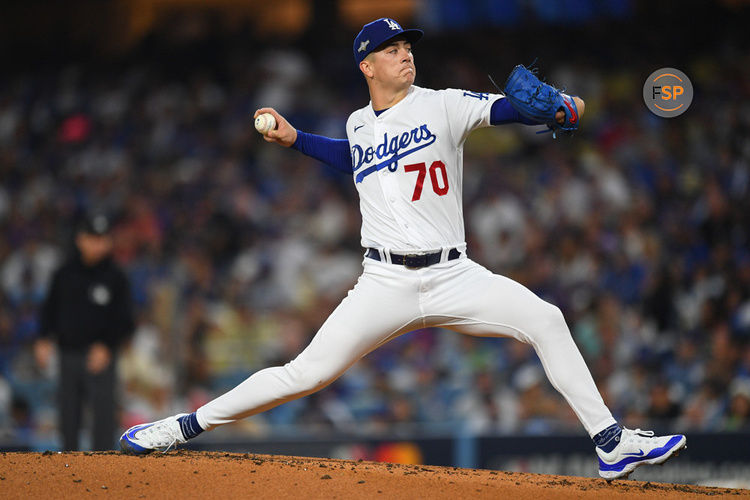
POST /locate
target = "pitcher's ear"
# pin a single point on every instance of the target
(366, 67)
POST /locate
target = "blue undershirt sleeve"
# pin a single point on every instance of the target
(502, 112)
(333, 152)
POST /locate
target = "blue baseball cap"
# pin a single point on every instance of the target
(378, 32)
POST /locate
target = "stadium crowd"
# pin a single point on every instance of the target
(237, 250)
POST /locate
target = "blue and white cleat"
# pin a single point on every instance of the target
(637, 448)
(162, 435)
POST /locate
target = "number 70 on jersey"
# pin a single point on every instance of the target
(439, 184)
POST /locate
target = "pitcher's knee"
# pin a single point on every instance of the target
(308, 379)
(556, 316)
(549, 323)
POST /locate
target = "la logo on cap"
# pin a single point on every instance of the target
(392, 24)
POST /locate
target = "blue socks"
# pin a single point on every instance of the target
(189, 426)
(608, 438)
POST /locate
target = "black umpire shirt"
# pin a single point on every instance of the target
(87, 304)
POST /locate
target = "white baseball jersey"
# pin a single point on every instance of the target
(408, 167)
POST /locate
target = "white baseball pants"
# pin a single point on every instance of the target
(389, 300)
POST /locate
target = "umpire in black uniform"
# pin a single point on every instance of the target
(88, 313)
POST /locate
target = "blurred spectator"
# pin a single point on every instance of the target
(26, 271)
(738, 417)
(663, 407)
(539, 412)
(88, 314)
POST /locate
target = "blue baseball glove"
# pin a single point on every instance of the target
(540, 101)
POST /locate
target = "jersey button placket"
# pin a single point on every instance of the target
(388, 183)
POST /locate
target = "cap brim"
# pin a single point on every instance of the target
(412, 36)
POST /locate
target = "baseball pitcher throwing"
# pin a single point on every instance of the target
(404, 151)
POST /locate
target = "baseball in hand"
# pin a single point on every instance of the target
(265, 123)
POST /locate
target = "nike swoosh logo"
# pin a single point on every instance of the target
(358, 127)
(573, 118)
(131, 432)
(639, 454)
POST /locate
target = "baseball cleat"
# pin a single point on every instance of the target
(162, 435)
(637, 448)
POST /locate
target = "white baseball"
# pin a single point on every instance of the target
(265, 123)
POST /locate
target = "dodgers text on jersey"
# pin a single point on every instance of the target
(391, 150)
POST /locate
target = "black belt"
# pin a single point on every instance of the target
(414, 261)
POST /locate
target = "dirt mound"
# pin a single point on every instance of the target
(196, 474)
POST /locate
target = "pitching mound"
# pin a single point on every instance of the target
(226, 475)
